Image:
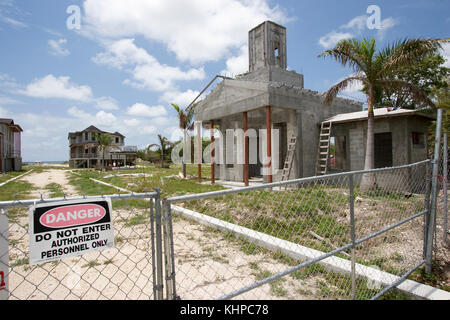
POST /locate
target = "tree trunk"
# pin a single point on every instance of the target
(103, 159)
(184, 153)
(368, 181)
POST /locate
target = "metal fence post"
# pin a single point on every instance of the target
(169, 252)
(352, 233)
(4, 255)
(432, 212)
(445, 174)
(428, 172)
(152, 236)
(158, 247)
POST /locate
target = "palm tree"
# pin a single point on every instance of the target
(163, 143)
(105, 142)
(371, 69)
(185, 123)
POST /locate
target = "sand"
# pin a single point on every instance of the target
(40, 180)
(207, 265)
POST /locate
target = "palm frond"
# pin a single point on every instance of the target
(408, 51)
(176, 107)
(416, 92)
(348, 53)
(331, 94)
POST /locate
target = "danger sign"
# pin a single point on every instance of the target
(69, 228)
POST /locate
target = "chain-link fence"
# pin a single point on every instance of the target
(441, 236)
(340, 236)
(126, 271)
(343, 236)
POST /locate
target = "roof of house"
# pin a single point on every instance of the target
(11, 124)
(93, 129)
(378, 113)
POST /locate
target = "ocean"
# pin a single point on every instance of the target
(48, 162)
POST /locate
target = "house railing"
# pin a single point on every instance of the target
(13, 154)
(84, 156)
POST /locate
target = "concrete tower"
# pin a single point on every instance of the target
(267, 46)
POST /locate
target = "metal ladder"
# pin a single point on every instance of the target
(324, 148)
(289, 158)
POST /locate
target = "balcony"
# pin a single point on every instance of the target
(13, 154)
(83, 156)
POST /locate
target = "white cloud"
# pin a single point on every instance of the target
(8, 101)
(353, 28)
(57, 47)
(145, 69)
(78, 113)
(57, 87)
(142, 110)
(386, 24)
(101, 118)
(183, 99)
(4, 112)
(105, 118)
(196, 31)
(13, 22)
(357, 23)
(446, 54)
(106, 103)
(7, 82)
(332, 38)
(45, 134)
(237, 64)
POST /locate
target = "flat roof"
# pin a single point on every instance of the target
(378, 113)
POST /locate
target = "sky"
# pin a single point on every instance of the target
(118, 65)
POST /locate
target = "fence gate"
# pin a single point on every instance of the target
(132, 269)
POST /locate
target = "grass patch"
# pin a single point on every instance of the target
(14, 214)
(91, 264)
(17, 189)
(276, 286)
(86, 186)
(137, 220)
(20, 262)
(9, 175)
(56, 190)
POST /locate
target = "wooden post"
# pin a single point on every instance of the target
(269, 143)
(213, 178)
(246, 144)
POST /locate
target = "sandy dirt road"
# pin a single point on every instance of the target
(42, 179)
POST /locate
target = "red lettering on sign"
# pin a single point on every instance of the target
(2, 280)
(72, 215)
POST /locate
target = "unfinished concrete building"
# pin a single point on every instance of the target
(85, 151)
(273, 102)
(10, 146)
(269, 97)
(400, 138)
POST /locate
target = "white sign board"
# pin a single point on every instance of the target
(69, 228)
(4, 257)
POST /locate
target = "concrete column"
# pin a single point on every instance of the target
(246, 146)
(199, 152)
(269, 143)
(213, 178)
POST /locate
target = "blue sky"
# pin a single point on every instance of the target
(130, 59)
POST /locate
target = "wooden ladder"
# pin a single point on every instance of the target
(324, 148)
(289, 158)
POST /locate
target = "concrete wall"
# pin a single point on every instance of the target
(403, 150)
